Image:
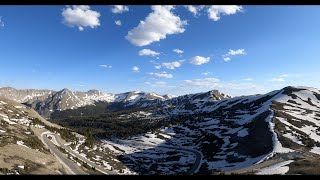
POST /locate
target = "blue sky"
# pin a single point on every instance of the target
(238, 50)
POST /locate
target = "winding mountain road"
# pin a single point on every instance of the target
(197, 162)
(68, 163)
(74, 169)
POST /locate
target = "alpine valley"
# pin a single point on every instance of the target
(66, 132)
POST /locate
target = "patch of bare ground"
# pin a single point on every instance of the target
(35, 162)
(310, 166)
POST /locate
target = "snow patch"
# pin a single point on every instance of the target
(243, 132)
(293, 138)
(315, 150)
(4, 103)
(280, 168)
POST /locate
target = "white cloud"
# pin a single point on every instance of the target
(162, 75)
(280, 78)
(192, 9)
(226, 59)
(206, 73)
(105, 66)
(118, 23)
(1, 22)
(232, 88)
(198, 60)
(231, 52)
(214, 83)
(179, 51)
(215, 11)
(203, 83)
(157, 25)
(157, 67)
(236, 52)
(240, 86)
(172, 65)
(248, 79)
(118, 9)
(135, 69)
(148, 52)
(80, 16)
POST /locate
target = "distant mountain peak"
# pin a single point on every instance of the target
(7, 87)
(93, 91)
(169, 96)
(65, 89)
(217, 93)
(135, 92)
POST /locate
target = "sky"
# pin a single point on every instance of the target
(239, 50)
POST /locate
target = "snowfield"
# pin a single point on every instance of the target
(280, 168)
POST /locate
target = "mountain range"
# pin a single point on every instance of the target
(47, 101)
(203, 133)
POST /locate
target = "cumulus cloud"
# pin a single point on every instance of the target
(105, 66)
(157, 25)
(135, 69)
(1, 22)
(231, 52)
(192, 9)
(118, 23)
(81, 17)
(157, 67)
(148, 52)
(236, 52)
(198, 60)
(216, 11)
(172, 65)
(118, 9)
(162, 75)
(179, 51)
